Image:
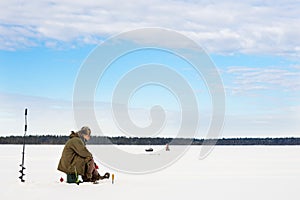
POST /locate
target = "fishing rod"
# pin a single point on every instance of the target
(23, 153)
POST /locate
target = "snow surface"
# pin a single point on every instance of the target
(229, 172)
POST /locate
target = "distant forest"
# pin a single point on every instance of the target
(101, 140)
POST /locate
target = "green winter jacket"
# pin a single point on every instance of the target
(74, 156)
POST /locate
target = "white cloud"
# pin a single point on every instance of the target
(284, 124)
(219, 26)
(245, 79)
(45, 116)
(52, 116)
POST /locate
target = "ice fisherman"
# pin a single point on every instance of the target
(77, 160)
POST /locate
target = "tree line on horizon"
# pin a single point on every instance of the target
(121, 140)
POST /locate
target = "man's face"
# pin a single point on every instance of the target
(87, 137)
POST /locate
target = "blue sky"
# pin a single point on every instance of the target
(255, 47)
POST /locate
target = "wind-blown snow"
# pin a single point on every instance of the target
(229, 172)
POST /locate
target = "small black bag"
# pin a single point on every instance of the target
(71, 178)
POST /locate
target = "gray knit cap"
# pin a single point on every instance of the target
(85, 130)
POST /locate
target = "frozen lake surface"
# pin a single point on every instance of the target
(229, 172)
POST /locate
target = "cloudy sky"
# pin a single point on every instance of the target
(255, 46)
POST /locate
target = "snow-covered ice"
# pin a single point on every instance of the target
(229, 172)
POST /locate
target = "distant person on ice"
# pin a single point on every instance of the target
(77, 160)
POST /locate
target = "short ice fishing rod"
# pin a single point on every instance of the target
(23, 153)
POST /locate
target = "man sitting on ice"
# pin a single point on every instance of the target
(77, 160)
